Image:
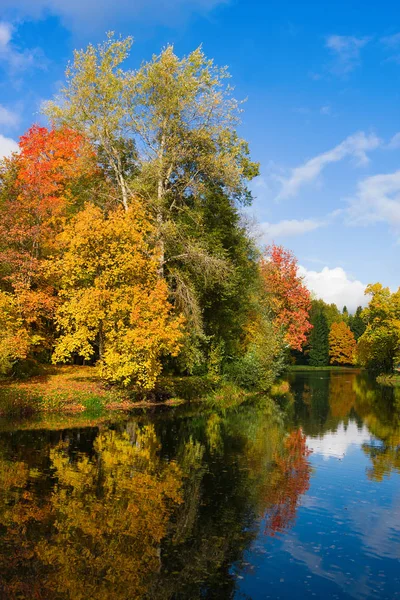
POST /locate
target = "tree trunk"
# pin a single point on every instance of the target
(101, 341)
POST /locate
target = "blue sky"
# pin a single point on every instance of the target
(322, 115)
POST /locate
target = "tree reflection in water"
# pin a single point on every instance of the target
(154, 508)
(164, 506)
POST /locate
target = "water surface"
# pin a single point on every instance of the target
(264, 501)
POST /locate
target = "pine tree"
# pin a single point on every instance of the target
(345, 314)
(357, 324)
(319, 342)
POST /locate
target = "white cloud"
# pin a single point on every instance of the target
(391, 41)
(289, 228)
(346, 50)
(337, 444)
(7, 146)
(394, 142)
(377, 200)
(11, 56)
(335, 286)
(8, 118)
(5, 34)
(355, 146)
(326, 110)
(84, 15)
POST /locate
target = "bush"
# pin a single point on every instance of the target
(24, 369)
(256, 370)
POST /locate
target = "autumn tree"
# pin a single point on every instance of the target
(113, 304)
(181, 116)
(342, 344)
(379, 346)
(286, 295)
(15, 340)
(38, 187)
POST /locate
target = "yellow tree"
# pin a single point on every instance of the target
(15, 340)
(113, 304)
(342, 344)
(379, 346)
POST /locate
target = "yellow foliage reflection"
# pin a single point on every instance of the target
(111, 513)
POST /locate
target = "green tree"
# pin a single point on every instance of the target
(345, 314)
(356, 323)
(331, 311)
(319, 342)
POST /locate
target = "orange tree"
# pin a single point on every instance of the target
(286, 295)
(342, 344)
(37, 186)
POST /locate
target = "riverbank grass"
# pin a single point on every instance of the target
(60, 389)
(74, 389)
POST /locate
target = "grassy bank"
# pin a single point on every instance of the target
(60, 389)
(79, 394)
(77, 390)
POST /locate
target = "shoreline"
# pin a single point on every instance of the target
(71, 390)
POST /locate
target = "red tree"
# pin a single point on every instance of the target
(38, 185)
(286, 295)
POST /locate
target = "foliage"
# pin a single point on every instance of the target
(286, 295)
(263, 359)
(319, 342)
(342, 344)
(356, 323)
(14, 338)
(184, 136)
(38, 186)
(379, 346)
(121, 223)
(187, 144)
(112, 298)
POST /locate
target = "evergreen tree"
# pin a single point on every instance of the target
(345, 314)
(357, 324)
(319, 342)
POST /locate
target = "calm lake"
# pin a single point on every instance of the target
(294, 498)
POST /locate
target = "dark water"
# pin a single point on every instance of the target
(264, 501)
